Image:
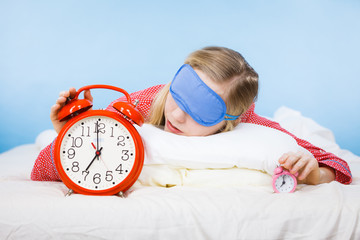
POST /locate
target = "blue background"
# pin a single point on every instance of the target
(306, 53)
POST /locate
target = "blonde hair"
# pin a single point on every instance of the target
(222, 65)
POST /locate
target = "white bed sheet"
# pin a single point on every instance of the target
(196, 204)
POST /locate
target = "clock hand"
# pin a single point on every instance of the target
(283, 182)
(97, 137)
(100, 156)
(97, 154)
(93, 146)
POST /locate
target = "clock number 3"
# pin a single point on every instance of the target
(125, 155)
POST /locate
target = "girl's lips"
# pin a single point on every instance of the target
(172, 128)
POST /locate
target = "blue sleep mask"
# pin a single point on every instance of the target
(198, 100)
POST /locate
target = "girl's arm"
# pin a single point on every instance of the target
(307, 168)
(325, 159)
(44, 168)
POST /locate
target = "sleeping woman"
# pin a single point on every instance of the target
(212, 92)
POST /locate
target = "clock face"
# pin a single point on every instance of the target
(97, 152)
(284, 183)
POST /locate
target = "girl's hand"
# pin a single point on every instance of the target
(60, 103)
(307, 167)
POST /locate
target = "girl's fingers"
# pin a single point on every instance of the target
(310, 166)
(283, 158)
(289, 160)
(55, 107)
(87, 95)
(69, 93)
(64, 95)
(72, 92)
(61, 100)
(54, 111)
(303, 164)
(300, 164)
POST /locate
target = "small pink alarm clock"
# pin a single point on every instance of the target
(284, 181)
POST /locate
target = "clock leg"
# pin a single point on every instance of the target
(69, 193)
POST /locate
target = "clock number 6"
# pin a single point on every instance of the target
(97, 178)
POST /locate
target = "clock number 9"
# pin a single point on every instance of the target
(71, 153)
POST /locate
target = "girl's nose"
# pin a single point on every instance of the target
(179, 115)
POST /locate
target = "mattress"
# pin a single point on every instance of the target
(175, 202)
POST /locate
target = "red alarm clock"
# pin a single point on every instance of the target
(99, 152)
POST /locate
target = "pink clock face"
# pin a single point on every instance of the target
(284, 183)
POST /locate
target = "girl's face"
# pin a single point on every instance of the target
(179, 122)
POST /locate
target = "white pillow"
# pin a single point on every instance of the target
(247, 146)
(45, 138)
(168, 176)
